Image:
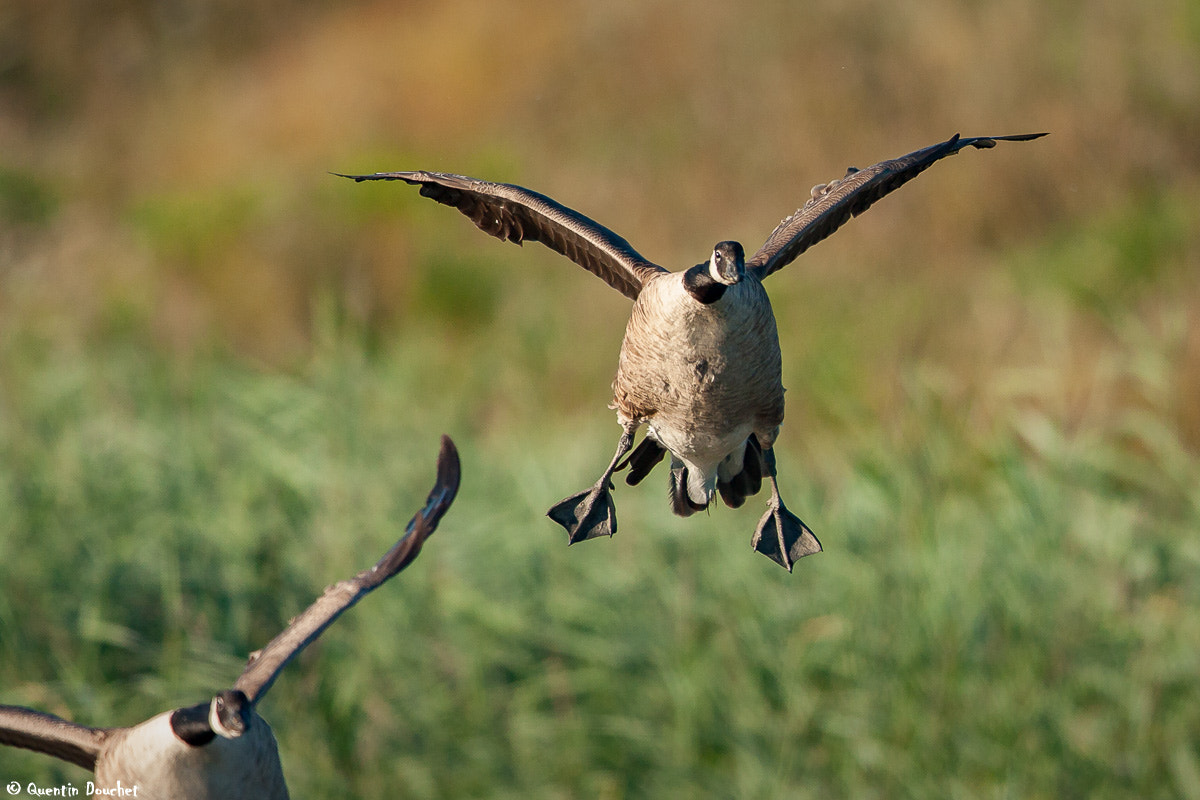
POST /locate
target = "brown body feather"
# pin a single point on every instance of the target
(704, 377)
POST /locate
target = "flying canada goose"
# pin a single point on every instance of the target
(222, 748)
(700, 362)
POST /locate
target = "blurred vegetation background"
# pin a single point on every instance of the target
(223, 373)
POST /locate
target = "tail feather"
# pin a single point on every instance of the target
(681, 501)
(734, 489)
(747, 481)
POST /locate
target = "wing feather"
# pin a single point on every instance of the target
(522, 215)
(54, 736)
(833, 204)
(265, 665)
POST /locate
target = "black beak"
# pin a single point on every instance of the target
(729, 262)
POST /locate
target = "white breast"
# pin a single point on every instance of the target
(152, 758)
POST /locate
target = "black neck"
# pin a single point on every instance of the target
(191, 725)
(701, 285)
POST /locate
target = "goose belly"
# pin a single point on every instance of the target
(704, 377)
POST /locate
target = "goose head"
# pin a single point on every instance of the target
(728, 263)
(229, 713)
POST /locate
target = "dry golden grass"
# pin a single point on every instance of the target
(187, 153)
(1008, 347)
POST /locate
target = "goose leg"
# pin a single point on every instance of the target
(781, 536)
(591, 513)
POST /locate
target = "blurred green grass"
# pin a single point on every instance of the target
(223, 374)
(998, 613)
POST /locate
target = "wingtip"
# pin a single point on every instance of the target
(448, 454)
(407, 177)
(1019, 137)
(449, 475)
(985, 142)
(425, 521)
(445, 489)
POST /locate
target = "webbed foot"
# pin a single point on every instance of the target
(588, 514)
(591, 513)
(782, 537)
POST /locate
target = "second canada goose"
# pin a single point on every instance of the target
(222, 749)
(700, 362)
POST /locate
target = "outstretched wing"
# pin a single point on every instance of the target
(54, 736)
(265, 665)
(520, 215)
(833, 204)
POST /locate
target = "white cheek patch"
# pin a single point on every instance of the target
(214, 722)
(713, 272)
